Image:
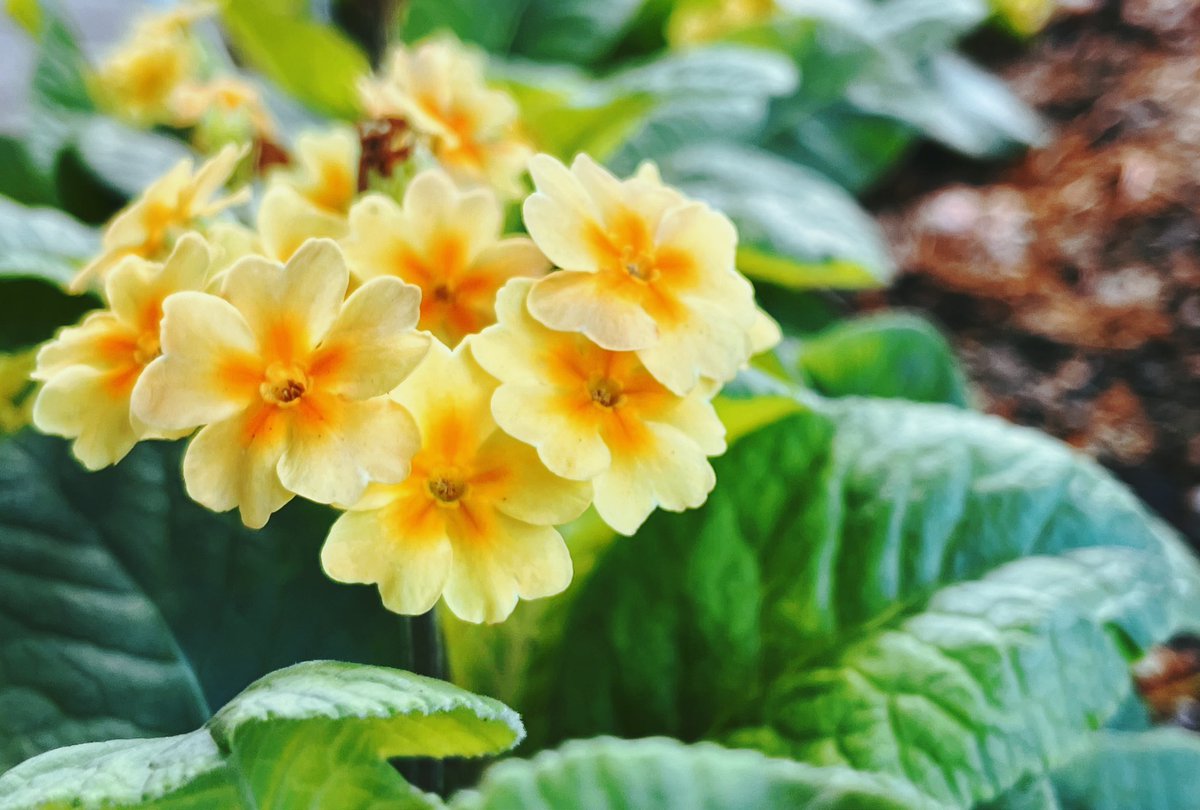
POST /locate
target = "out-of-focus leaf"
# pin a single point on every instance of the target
(59, 72)
(855, 149)
(21, 178)
(127, 610)
(32, 310)
(1152, 770)
(575, 31)
(313, 735)
(42, 243)
(662, 774)
(1024, 17)
(26, 13)
(126, 160)
(795, 227)
(889, 355)
(316, 63)
(493, 29)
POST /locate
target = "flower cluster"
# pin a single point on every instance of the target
(391, 352)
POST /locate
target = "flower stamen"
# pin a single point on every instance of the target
(605, 393)
(284, 385)
(446, 489)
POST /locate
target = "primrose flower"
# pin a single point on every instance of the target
(598, 415)
(90, 370)
(287, 376)
(172, 205)
(226, 96)
(137, 81)
(326, 170)
(439, 87)
(448, 243)
(645, 270)
(473, 523)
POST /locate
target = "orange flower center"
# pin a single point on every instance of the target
(605, 392)
(640, 265)
(447, 489)
(284, 385)
(146, 348)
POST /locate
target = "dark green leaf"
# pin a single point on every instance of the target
(126, 610)
(891, 355)
(20, 177)
(662, 774)
(576, 31)
(313, 735)
(42, 243)
(493, 30)
(795, 227)
(32, 310)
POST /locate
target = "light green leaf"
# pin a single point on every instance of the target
(576, 31)
(59, 80)
(314, 735)
(42, 243)
(126, 610)
(662, 774)
(858, 538)
(316, 63)
(795, 227)
(925, 27)
(1152, 770)
(494, 30)
(891, 355)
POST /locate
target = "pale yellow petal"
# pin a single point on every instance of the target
(130, 287)
(372, 347)
(561, 216)
(511, 349)
(544, 418)
(571, 301)
(378, 235)
(187, 268)
(80, 403)
(669, 472)
(304, 298)
(232, 464)
(209, 369)
(487, 580)
(85, 344)
(514, 257)
(707, 344)
(708, 239)
(764, 333)
(695, 417)
(448, 384)
(336, 447)
(410, 575)
(533, 494)
(286, 220)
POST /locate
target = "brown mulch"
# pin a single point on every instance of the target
(1069, 279)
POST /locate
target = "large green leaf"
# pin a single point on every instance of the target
(1153, 770)
(125, 159)
(314, 735)
(126, 610)
(316, 63)
(891, 355)
(494, 30)
(576, 31)
(795, 227)
(662, 774)
(860, 554)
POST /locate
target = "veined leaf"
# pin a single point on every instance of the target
(854, 563)
(891, 355)
(494, 30)
(1151, 770)
(795, 227)
(126, 610)
(314, 735)
(662, 774)
(577, 31)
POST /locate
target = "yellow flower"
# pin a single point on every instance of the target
(286, 220)
(226, 96)
(137, 81)
(439, 87)
(473, 523)
(645, 270)
(326, 170)
(598, 415)
(90, 370)
(172, 205)
(448, 243)
(287, 376)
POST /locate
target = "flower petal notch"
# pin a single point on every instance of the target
(473, 523)
(288, 380)
(644, 269)
(598, 415)
(90, 370)
(448, 243)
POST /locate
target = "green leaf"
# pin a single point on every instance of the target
(20, 177)
(576, 31)
(890, 355)
(1152, 770)
(795, 227)
(313, 735)
(59, 72)
(494, 30)
(316, 63)
(126, 610)
(850, 147)
(662, 774)
(42, 243)
(32, 310)
(855, 567)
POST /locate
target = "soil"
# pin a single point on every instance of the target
(1069, 278)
